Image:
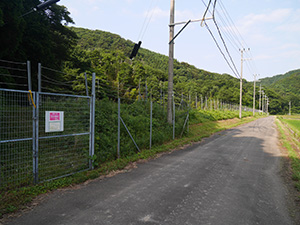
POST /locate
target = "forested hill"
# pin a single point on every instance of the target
(108, 55)
(288, 82)
(287, 86)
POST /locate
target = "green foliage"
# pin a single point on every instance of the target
(203, 116)
(107, 55)
(40, 37)
(136, 116)
(283, 89)
(94, 160)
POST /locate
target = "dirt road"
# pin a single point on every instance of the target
(230, 178)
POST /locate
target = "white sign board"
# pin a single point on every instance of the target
(54, 121)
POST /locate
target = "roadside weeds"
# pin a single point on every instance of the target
(291, 166)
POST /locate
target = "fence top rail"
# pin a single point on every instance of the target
(13, 90)
(65, 95)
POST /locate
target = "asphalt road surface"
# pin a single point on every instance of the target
(230, 178)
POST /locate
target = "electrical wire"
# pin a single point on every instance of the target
(147, 21)
(230, 32)
(234, 70)
(224, 43)
(234, 29)
(218, 46)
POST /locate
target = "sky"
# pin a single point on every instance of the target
(268, 30)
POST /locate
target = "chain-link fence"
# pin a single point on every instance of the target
(49, 134)
(44, 135)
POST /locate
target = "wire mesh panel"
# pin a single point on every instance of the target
(16, 138)
(64, 152)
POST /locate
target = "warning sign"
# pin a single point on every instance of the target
(54, 121)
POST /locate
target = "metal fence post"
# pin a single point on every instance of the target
(35, 136)
(34, 153)
(37, 100)
(39, 77)
(173, 116)
(151, 108)
(92, 122)
(29, 75)
(86, 85)
(119, 126)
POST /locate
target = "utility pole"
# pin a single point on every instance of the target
(290, 106)
(241, 82)
(268, 105)
(255, 75)
(262, 102)
(171, 61)
(259, 99)
(172, 37)
(241, 78)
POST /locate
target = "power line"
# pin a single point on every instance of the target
(234, 70)
(147, 20)
(230, 32)
(216, 42)
(225, 45)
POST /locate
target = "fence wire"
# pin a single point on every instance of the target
(16, 132)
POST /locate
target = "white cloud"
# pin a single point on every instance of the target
(156, 13)
(275, 16)
(254, 23)
(264, 57)
(181, 15)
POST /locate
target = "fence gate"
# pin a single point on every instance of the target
(63, 142)
(44, 136)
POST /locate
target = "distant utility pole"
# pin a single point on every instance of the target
(241, 78)
(255, 75)
(259, 108)
(241, 81)
(171, 61)
(262, 102)
(290, 107)
(267, 105)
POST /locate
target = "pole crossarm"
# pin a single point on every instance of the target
(191, 21)
(185, 25)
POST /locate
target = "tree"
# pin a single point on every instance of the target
(40, 36)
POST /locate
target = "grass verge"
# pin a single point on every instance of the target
(21, 198)
(291, 144)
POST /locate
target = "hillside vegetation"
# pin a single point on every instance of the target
(287, 88)
(107, 55)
